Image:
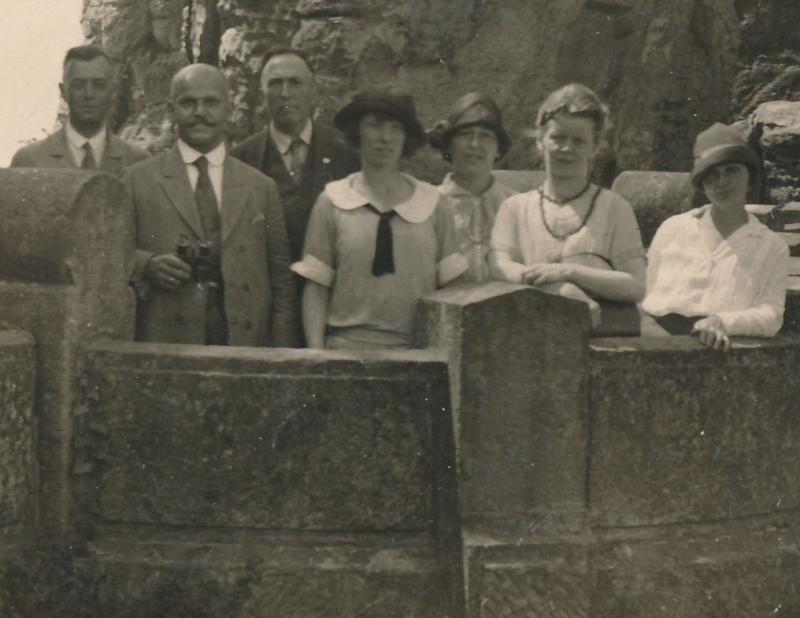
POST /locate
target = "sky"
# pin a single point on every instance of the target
(36, 33)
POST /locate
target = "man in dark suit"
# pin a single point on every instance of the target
(194, 195)
(301, 156)
(84, 142)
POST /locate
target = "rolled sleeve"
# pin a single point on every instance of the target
(315, 270)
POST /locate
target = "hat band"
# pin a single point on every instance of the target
(710, 151)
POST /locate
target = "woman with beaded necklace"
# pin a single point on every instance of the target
(570, 236)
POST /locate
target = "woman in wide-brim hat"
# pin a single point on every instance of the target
(570, 236)
(378, 239)
(472, 140)
(715, 270)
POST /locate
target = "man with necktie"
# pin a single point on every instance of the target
(84, 142)
(195, 197)
(299, 154)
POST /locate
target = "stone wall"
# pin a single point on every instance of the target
(668, 69)
(247, 483)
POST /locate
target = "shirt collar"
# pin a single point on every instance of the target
(97, 140)
(418, 208)
(753, 227)
(283, 141)
(216, 157)
(450, 187)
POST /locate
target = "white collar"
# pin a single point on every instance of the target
(753, 227)
(450, 187)
(283, 141)
(216, 157)
(418, 208)
(97, 141)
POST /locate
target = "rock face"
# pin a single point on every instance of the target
(666, 68)
(776, 133)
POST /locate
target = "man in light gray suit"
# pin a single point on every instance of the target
(197, 195)
(84, 142)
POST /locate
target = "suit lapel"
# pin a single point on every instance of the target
(317, 174)
(112, 157)
(59, 151)
(175, 181)
(234, 195)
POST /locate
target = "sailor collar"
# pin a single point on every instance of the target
(418, 208)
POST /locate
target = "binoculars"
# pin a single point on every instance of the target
(199, 259)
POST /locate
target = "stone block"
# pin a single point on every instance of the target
(776, 127)
(519, 372)
(67, 243)
(680, 433)
(187, 435)
(654, 196)
(18, 474)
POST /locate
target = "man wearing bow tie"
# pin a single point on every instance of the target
(84, 142)
(300, 155)
(198, 197)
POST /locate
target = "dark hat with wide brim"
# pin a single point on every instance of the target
(382, 100)
(719, 144)
(472, 110)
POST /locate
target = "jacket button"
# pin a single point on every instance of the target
(248, 325)
(242, 249)
(246, 287)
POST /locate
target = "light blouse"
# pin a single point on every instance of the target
(742, 279)
(473, 216)
(609, 237)
(339, 250)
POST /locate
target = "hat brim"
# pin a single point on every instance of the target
(503, 141)
(352, 113)
(732, 154)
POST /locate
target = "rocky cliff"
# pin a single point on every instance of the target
(667, 68)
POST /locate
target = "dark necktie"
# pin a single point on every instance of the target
(206, 201)
(297, 158)
(88, 162)
(383, 261)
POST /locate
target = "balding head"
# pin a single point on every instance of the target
(200, 105)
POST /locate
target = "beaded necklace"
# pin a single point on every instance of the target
(560, 236)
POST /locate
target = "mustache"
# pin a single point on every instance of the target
(201, 122)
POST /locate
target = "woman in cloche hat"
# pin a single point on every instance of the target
(378, 239)
(715, 270)
(473, 139)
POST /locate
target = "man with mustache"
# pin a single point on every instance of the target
(196, 197)
(299, 154)
(84, 142)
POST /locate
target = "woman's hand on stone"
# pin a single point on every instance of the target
(546, 272)
(712, 333)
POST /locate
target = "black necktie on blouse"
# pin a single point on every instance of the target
(383, 262)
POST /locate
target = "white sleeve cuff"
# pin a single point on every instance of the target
(315, 270)
(451, 268)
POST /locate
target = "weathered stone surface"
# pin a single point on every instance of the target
(680, 433)
(516, 356)
(140, 580)
(18, 478)
(181, 436)
(66, 241)
(776, 128)
(666, 68)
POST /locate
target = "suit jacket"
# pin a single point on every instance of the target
(329, 158)
(260, 301)
(53, 151)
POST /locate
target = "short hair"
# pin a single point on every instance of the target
(180, 77)
(285, 51)
(574, 100)
(352, 132)
(85, 53)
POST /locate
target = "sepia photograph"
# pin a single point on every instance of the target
(413, 309)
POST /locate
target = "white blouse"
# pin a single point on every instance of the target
(693, 271)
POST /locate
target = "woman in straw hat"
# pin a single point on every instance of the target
(571, 236)
(715, 270)
(473, 139)
(378, 239)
